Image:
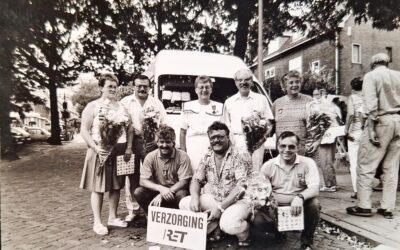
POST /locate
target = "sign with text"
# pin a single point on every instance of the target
(288, 222)
(178, 228)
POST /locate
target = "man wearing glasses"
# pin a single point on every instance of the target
(225, 170)
(135, 105)
(242, 105)
(295, 182)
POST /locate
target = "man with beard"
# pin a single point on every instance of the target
(295, 183)
(242, 105)
(226, 171)
(165, 173)
(135, 104)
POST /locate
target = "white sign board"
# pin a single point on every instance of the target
(178, 228)
(331, 134)
(288, 222)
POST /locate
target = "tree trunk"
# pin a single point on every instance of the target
(244, 15)
(55, 118)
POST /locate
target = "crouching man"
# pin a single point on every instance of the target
(295, 183)
(165, 173)
(225, 170)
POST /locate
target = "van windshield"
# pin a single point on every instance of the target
(177, 89)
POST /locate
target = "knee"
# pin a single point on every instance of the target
(233, 225)
(184, 203)
(139, 193)
(313, 205)
(181, 194)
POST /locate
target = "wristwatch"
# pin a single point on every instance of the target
(301, 196)
(220, 208)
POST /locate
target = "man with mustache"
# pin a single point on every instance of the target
(242, 105)
(226, 171)
(295, 183)
(165, 173)
(135, 104)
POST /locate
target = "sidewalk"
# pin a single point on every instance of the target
(375, 228)
(43, 208)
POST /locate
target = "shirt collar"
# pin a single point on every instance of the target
(277, 160)
(237, 96)
(171, 157)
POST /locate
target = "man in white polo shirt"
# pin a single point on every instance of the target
(295, 183)
(242, 105)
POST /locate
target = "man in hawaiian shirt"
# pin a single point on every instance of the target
(136, 104)
(226, 171)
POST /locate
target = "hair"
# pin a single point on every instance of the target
(285, 77)
(107, 76)
(244, 70)
(357, 83)
(380, 59)
(218, 126)
(202, 79)
(286, 134)
(141, 77)
(166, 132)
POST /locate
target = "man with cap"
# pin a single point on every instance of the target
(380, 141)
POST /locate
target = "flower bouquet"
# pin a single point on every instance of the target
(316, 128)
(150, 126)
(255, 131)
(113, 122)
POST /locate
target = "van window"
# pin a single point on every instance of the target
(177, 89)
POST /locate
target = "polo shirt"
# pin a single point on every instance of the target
(303, 174)
(166, 171)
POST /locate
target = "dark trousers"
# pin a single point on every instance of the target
(144, 196)
(263, 221)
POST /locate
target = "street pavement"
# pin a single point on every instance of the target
(42, 207)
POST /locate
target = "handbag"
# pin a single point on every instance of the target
(125, 168)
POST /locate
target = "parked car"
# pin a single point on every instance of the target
(17, 138)
(38, 134)
(26, 136)
(67, 136)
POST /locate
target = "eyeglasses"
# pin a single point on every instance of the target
(290, 147)
(243, 80)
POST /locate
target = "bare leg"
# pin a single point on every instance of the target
(113, 198)
(96, 201)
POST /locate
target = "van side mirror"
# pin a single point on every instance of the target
(42, 133)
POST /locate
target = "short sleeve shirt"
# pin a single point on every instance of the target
(166, 171)
(235, 168)
(237, 107)
(301, 175)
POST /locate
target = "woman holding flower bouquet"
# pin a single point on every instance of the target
(104, 126)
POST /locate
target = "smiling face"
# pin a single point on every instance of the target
(166, 147)
(316, 94)
(109, 90)
(244, 81)
(293, 86)
(203, 91)
(219, 141)
(142, 88)
(288, 148)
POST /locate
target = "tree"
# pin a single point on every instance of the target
(48, 60)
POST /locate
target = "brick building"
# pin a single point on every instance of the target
(357, 43)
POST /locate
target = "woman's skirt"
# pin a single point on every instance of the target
(105, 180)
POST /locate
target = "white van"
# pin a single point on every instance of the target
(173, 73)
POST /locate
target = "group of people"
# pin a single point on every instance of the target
(213, 171)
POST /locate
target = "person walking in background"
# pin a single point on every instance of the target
(290, 110)
(137, 104)
(196, 116)
(100, 176)
(226, 171)
(380, 141)
(321, 111)
(242, 105)
(353, 127)
(165, 174)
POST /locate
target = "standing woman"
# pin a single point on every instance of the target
(197, 116)
(290, 110)
(354, 126)
(100, 178)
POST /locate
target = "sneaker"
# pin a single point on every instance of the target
(100, 229)
(130, 217)
(386, 214)
(117, 222)
(358, 211)
(327, 189)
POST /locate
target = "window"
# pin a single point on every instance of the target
(315, 67)
(296, 64)
(389, 52)
(269, 73)
(356, 53)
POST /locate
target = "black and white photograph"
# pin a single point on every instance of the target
(199, 124)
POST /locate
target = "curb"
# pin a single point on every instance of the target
(365, 235)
